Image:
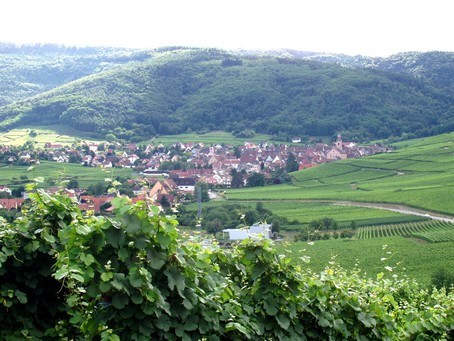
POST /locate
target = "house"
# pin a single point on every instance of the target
(10, 204)
(335, 154)
(185, 184)
(256, 231)
(162, 187)
(5, 189)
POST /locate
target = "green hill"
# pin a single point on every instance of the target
(26, 71)
(420, 173)
(176, 90)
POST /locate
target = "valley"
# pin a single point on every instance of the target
(122, 169)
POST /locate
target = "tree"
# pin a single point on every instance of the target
(251, 217)
(292, 164)
(237, 179)
(72, 184)
(256, 179)
(164, 202)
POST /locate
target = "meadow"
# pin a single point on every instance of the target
(213, 137)
(53, 172)
(42, 134)
(391, 256)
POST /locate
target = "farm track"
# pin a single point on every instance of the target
(383, 206)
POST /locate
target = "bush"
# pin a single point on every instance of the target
(132, 277)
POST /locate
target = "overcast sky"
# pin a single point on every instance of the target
(367, 27)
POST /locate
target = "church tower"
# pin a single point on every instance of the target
(339, 142)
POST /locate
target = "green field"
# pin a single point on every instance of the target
(420, 175)
(214, 137)
(305, 212)
(53, 134)
(416, 259)
(432, 231)
(52, 171)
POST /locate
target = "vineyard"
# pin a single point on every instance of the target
(432, 231)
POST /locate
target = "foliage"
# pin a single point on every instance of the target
(442, 278)
(256, 179)
(131, 277)
(291, 164)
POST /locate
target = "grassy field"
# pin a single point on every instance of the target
(214, 137)
(52, 171)
(53, 134)
(68, 136)
(419, 175)
(305, 212)
(416, 259)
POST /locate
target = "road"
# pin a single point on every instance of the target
(398, 208)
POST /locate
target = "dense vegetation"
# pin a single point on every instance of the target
(32, 69)
(65, 276)
(170, 91)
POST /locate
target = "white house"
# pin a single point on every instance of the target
(256, 231)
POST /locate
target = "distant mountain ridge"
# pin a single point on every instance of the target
(136, 94)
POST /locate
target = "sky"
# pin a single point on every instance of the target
(366, 27)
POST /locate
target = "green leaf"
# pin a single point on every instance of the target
(120, 301)
(61, 273)
(21, 297)
(76, 318)
(176, 279)
(106, 276)
(72, 300)
(84, 229)
(163, 239)
(283, 321)
(105, 286)
(123, 254)
(187, 304)
(132, 223)
(137, 298)
(135, 281)
(87, 259)
(270, 307)
(163, 323)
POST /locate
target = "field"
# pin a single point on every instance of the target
(403, 256)
(53, 134)
(214, 137)
(431, 231)
(420, 175)
(52, 171)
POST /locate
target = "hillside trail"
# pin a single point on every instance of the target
(398, 208)
(382, 206)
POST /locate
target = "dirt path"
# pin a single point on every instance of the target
(382, 206)
(398, 208)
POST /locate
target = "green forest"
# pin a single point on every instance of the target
(136, 95)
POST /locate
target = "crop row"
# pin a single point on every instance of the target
(431, 231)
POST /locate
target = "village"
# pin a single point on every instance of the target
(168, 175)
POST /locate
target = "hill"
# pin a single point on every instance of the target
(32, 69)
(176, 90)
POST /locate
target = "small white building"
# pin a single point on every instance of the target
(256, 231)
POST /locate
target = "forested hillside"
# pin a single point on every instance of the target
(26, 71)
(174, 90)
